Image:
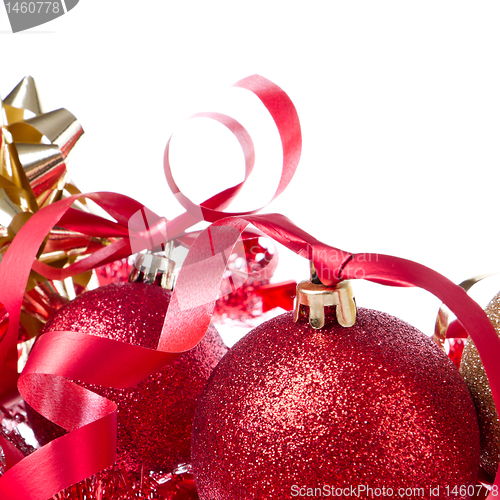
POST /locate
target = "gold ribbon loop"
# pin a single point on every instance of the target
(23, 97)
(59, 127)
(45, 169)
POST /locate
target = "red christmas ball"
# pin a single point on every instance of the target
(155, 417)
(376, 409)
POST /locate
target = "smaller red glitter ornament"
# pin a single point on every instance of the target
(115, 272)
(318, 406)
(154, 417)
(13, 432)
(242, 303)
(180, 485)
(456, 350)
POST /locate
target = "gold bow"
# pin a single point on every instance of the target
(34, 147)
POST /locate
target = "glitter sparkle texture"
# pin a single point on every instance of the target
(377, 404)
(475, 377)
(155, 417)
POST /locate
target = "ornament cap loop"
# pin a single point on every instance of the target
(153, 269)
(318, 296)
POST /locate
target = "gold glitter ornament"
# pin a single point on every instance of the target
(473, 372)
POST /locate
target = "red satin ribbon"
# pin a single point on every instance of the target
(332, 265)
(89, 446)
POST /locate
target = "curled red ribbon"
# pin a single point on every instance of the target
(58, 356)
(136, 227)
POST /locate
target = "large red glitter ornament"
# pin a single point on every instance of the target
(374, 410)
(155, 417)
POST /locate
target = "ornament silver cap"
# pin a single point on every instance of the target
(154, 268)
(316, 296)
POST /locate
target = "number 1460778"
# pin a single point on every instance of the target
(33, 7)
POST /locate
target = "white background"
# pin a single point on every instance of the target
(399, 104)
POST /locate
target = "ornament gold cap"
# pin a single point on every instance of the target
(317, 296)
(154, 268)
